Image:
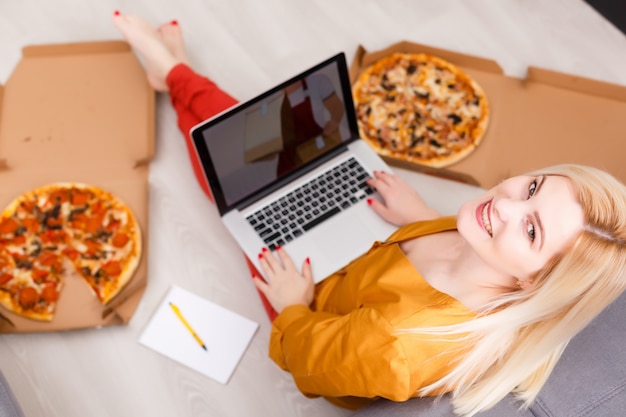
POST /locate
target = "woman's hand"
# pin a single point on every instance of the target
(285, 286)
(402, 204)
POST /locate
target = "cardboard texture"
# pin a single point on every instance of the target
(545, 119)
(80, 112)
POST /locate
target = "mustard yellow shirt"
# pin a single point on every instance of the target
(343, 347)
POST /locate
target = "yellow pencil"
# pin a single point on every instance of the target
(193, 333)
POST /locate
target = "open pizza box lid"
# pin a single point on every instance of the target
(544, 119)
(83, 113)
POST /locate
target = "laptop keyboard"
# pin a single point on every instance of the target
(310, 204)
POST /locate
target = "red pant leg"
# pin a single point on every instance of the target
(195, 99)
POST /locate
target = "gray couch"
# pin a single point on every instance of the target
(8, 406)
(589, 380)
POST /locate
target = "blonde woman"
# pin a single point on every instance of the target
(479, 304)
(501, 289)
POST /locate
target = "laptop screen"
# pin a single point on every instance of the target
(257, 146)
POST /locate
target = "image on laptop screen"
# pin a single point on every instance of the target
(278, 132)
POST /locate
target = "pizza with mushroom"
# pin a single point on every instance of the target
(420, 108)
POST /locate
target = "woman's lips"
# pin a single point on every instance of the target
(484, 218)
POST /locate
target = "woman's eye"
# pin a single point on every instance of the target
(532, 188)
(530, 229)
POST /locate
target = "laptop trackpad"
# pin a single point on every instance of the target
(348, 241)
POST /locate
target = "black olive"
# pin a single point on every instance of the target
(56, 210)
(103, 235)
(35, 253)
(425, 95)
(77, 210)
(455, 118)
(416, 141)
(24, 264)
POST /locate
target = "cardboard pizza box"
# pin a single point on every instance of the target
(80, 112)
(544, 119)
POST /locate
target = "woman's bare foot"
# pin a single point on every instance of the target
(172, 37)
(153, 48)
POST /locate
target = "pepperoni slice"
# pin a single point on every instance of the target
(71, 253)
(4, 278)
(50, 293)
(120, 240)
(27, 206)
(27, 297)
(39, 274)
(8, 225)
(98, 208)
(92, 247)
(79, 198)
(79, 221)
(19, 240)
(31, 224)
(53, 236)
(112, 268)
(47, 258)
(113, 225)
(59, 197)
(54, 222)
(93, 223)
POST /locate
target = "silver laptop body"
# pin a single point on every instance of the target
(287, 168)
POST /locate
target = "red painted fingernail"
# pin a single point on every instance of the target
(260, 256)
(308, 261)
(174, 22)
(116, 13)
(264, 249)
(277, 247)
(370, 201)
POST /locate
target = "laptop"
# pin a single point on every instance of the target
(287, 168)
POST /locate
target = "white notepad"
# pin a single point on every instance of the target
(225, 334)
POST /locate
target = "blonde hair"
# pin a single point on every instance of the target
(515, 344)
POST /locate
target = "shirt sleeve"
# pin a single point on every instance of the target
(341, 355)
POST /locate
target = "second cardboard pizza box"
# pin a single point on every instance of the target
(544, 119)
(80, 112)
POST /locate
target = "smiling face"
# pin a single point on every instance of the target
(517, 226)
